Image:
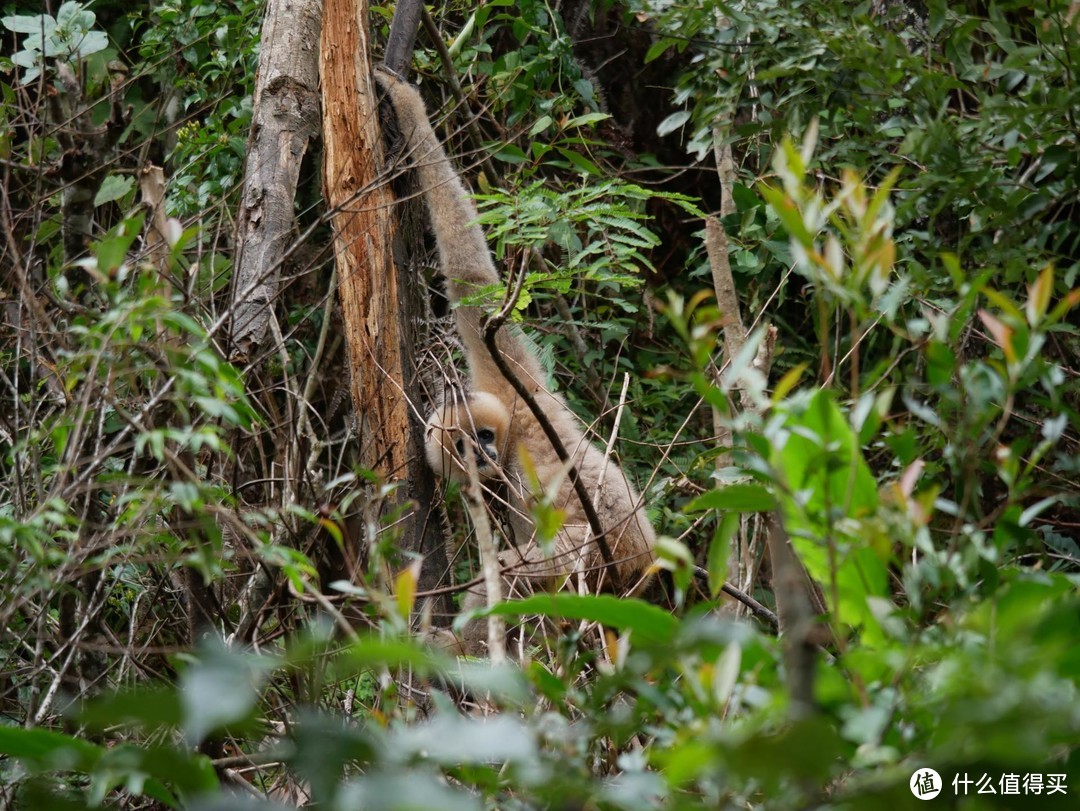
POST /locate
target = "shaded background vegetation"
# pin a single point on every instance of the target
(916, 243)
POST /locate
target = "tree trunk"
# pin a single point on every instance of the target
(285, 121)
(402, 36)
(379, 304)
(361, 201)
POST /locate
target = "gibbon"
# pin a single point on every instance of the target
(493, 424)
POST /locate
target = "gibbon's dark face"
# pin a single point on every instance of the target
(476, 426)
(483, 449)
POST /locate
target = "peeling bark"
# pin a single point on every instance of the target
(376, 295)
(285, 121)
(152, 188)
(361, 201)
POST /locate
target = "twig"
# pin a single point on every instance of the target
(267, 758)
(759, 611)
(489, 562)
(610, 448)
(324, 603)
(304, 422)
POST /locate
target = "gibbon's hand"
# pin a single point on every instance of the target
(408, 104)
(384, 70)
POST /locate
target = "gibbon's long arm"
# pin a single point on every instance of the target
(463, 250)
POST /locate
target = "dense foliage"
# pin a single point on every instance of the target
(906, 215)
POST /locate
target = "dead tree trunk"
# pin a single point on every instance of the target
(378, 302)
(285, 121)
(362, 204)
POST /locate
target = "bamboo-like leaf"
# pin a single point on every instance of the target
(405, 587)
(789, 381)
(1039, 296)
(789, 214)
(1001, 334)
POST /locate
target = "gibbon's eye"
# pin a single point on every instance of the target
(486, 436)
(460, 446)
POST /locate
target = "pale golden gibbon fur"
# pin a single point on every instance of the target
(493, 424)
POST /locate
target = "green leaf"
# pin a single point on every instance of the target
(453, 739)
(658, 48)
(789, 215)
(111, 767)
(508, 153)
(806, 750)
(819, 458)
(672, 122)
(219, 689)
(30, 24)
(585, 120)
(392, 792)
(51, 749)
(542, 123)
(74, 17)
(113, 187)
(941, 363)
(646, 622)
(148, 708)
(191, 772)
(581, 162)
(744, 497)
(719, 551)
(112, 250)
(93, 42)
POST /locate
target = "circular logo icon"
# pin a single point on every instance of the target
(925, 784)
